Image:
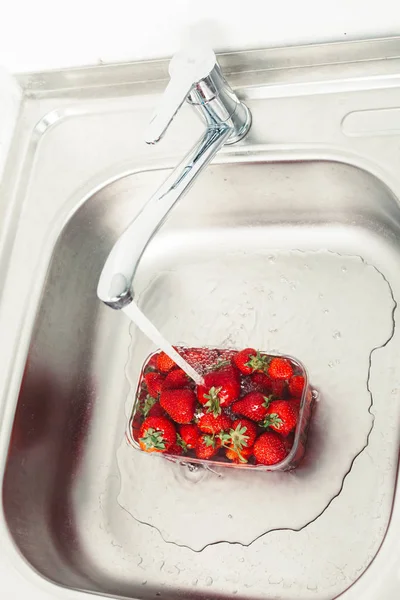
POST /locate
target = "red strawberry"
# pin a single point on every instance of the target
(296, 386)
(220, 389)
(136, 424)
(269, 449)
(157, 434)
(280, 368)
(153, 382)
(151, 407)
(153, 361)
(156, 411)
(176, 450)
(239, 457)
(260, 382)
(199, 358)
(207, 446)
(208, 423)
(281, 416)
(165, 363)
(253, 405)
(249, 361)
(179, 404)
(279, 388)
(176, 378)
(189, 436)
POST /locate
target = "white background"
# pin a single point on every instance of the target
(45, 34)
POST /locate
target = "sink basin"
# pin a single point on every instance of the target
(288, 242)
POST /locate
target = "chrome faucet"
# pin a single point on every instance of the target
(195, 76)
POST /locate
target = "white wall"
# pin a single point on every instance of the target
(45, 34)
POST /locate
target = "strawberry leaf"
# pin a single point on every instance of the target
(212, 404)
(148, 404)
(153, 439)
(273, 419)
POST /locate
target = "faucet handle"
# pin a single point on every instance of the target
(186, 69)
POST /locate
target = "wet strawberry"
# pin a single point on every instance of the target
(241, 457)
(207, 446)
(269, 449)
(280, 368)
(154, 382)
(151, 407)
(279, 388)
(296, 386)
(176, 378)
(157, 434)
(260, 382)
(189, 435)
(281, 416)
(179, 404)
(250, 361)
(253, 405)
(152, 363)
(220, 389)
(176, 450)
(208, 423)
(165, 363)
(156, 411)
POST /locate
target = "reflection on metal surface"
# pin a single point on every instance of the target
(294, 192)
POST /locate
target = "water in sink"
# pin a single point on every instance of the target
(314, 305)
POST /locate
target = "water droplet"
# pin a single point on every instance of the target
(195, 582)
(337, 335)
(326, 311)
(344, 269)
(271, 258)
(320, 296)
(230, 517)
(209, 581)
(158, 593)
(241, 559)
(234, 592)
(144, 582)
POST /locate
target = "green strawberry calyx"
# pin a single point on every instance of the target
(209, 440)
(181, 443)
(236, 439)
(273, 419)
(268, 400)
(148, 404)
(212, 403)
(153, 439)
(258, 362)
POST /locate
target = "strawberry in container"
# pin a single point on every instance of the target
(253, 409)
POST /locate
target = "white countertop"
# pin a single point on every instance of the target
(40, 35)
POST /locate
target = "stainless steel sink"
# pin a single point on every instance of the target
(289, 241)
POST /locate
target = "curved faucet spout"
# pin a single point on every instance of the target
(115, 284)
(199, 80)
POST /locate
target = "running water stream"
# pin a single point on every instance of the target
(147, 327)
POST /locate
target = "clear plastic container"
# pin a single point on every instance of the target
(295, 442)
